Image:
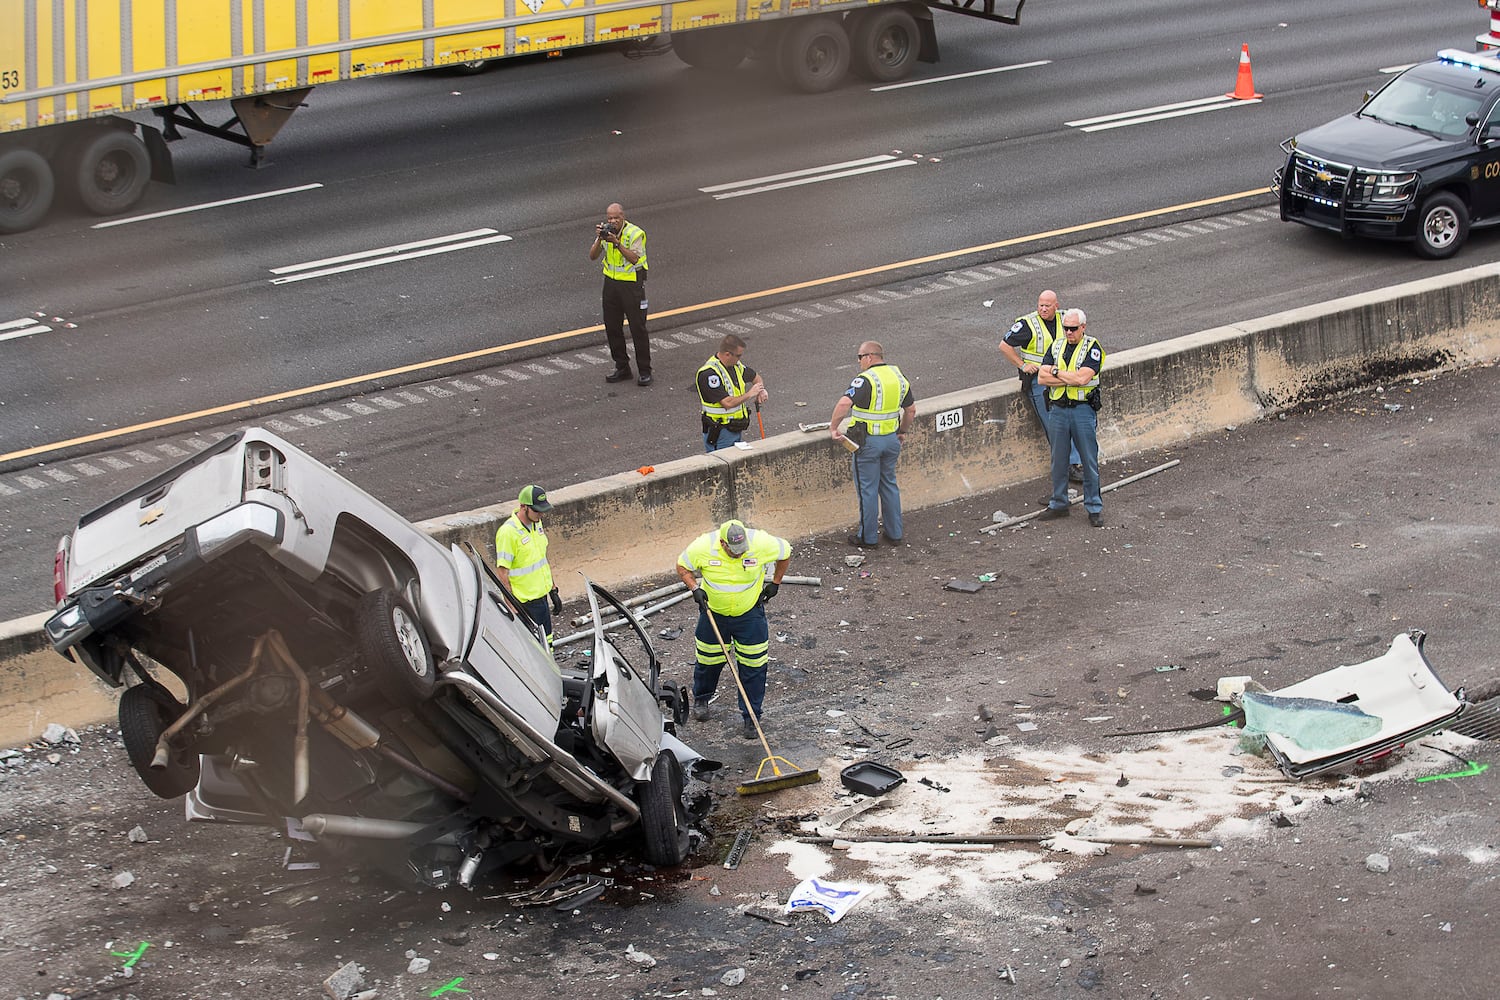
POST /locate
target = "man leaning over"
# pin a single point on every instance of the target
(733, 561)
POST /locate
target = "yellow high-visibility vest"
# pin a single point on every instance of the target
(733, 383)
(523, 551)
(888, 387)
(1078, 392)
(615, 264)
(734, 583)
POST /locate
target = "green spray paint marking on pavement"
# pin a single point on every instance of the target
(450, 987)
(134, 956)
(1474, 768)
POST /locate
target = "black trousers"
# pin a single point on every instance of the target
(626, 300)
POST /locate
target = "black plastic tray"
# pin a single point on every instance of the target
(868, 777)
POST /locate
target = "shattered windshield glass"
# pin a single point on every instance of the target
(1437, 108)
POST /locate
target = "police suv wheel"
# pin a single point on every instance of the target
(1443, 226)
(394, 647)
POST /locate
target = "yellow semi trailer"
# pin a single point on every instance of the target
(71, 71)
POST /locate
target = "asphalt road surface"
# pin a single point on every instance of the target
(1277, 550)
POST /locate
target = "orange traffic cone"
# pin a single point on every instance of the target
(1244, 83)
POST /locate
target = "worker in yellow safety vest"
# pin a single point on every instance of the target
(521, 558)
(623, 246)
(733, 562)
(1027, 345)
(726, 388)
(1071, 376)
(881, 402)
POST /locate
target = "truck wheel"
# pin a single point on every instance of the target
(394, 647)
(718, 51)
(26, 189)
(146, 713)
(664, 818)
(1443, 226)
(813, 53)
(110, 170)
(883, 44)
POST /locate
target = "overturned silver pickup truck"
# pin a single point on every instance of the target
(352, 678)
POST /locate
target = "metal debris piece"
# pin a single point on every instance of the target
(964, 586)
(1168, 668)
(934, 784)
(737, 850)
(670, 632)
(768, 916)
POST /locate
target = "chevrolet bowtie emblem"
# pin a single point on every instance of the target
(151, 515)
(1324, 175)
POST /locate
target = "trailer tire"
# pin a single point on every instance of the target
(1443, 225)
(393, 645)
(26, 189)
(721, 50)
(812, 54)
(883, 44)
(664, 816)
(110, 169)
(146, 713)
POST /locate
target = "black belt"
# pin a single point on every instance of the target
(1065, 403)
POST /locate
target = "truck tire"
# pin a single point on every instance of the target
(146, 713)
(394, 647)
(718, 51)
(812, 54)
(26, 189)
(1443, 225)
(664, 817)
(110, 169)
(883, 44)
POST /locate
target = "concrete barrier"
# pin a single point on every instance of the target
(629, 527)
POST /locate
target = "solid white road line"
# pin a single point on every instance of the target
(809, 175)
(1164, 112)
(960, 76)
(205, 205)
(31, 329)
(398, 248)
(364, 259)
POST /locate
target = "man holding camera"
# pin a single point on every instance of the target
(726, 388)
(1070, 374)
(624, 248)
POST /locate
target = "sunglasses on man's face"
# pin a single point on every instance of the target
(1070, 329)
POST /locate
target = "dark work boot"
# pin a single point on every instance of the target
(618, 375)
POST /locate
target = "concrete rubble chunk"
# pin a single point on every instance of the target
(419, 966)
(639, 957)
(137, 835)
(56, 734)
(1378, 863)
(344, 983)
(733, 977)
(124, 880)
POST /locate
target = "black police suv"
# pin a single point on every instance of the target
(1419, 162)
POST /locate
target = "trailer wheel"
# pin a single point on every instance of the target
(110, 170)
(146, 713)
(394, 646)
(813, 53)
(26, 189)
(883, 44)
(664, 817)
(717, 51)
(1444, 225)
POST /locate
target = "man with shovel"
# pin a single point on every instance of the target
(733, 561)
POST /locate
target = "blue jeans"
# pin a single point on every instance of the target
(541, 613)
(727, 438)
(875, 480)
(1039, 404)
(750, 637)
(1074, 427)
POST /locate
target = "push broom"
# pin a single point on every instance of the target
(778, 779)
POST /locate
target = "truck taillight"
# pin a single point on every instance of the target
(59, 562)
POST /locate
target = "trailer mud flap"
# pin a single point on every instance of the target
(161, 156)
